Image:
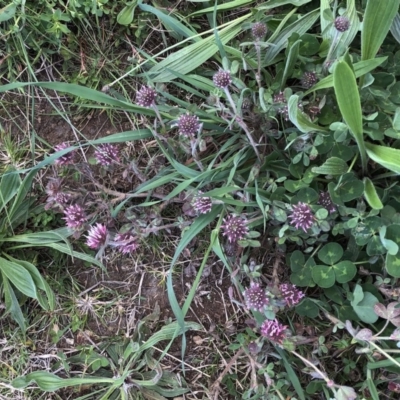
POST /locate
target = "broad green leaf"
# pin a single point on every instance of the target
(9, 186)
(345, 271)
(307, 308)
(365, 308)
(171, 23)
(7, 12)
(50, 382)
(385, 156)
(378, 17)
(290, 62)
(49, 302)
(330, 253)
(332, 166)
(361, 68)
(19, 277)
(323, 276)
(167, 332)
(371, 195)
(348, 98)
(300, 26)
(297, 261)
(395, 27)
(12, 304)
(125, 16)
(349, 188)
(298, 118)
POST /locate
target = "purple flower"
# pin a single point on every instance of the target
(75, 216)
(188, 125)
(326, 202)
(202, 205)
(302, 216)
(55, 196)
(66, 159)
(342, 24)
(291, 294)
(273, 330)
(97, 236)
(259, 30)
(222, 79)
(126, 243)
(107, 154)
(255, 297)
(146, 96)
(309, 79)
(235, 228)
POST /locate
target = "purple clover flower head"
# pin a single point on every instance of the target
(281, 102)
(66, 159)
(235, 228)
(97, 236)
(255, 297)
(273, 330)
(302, 216)
(342, 24)
(222, 79)
(53, 186)
(126, 243)
(259, 30)
(291, 294)
(146, 96)
(202, 205)
(309, 79)
(107, 154)
(188, 125)
(394, 387)
(75, 216)
(326, 202)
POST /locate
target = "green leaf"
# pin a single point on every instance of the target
(125, 16)
(371, 195)
(298, 118)
(378, 17)
(365, 308)
(220, 7)
(297, 261)
(385, 156)
(280, 40)
(332, 166)
(345, 271)
(330, 253)
(323, 276)
(19, 277)
(361, 68)
(290, 62)
(307, 308)
(395, 27)
(348, 98)
(392, 265)
(50, 382)
(196, 54)
(12, 304)
(7, 12)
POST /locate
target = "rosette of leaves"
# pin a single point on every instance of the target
(126, 368)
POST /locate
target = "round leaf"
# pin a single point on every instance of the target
(307, 308)
(365, 308)
(393, 265)
(345, 271)
(323, 276)
(331, 253)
